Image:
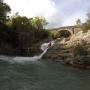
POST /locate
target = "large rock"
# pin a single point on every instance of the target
(65, 54)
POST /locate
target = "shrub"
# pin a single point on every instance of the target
(42, 34)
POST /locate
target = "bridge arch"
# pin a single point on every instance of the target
(64, 33)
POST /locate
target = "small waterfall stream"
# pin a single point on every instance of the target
(44, 47)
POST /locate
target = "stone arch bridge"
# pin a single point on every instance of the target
(70, 29)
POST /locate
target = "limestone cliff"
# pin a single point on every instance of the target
(74, 52)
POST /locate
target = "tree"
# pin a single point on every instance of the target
(78, 22)
(39, 22)
(22, 25)
(27, 33)
(4, 10)
(88, 15)
(86, 25)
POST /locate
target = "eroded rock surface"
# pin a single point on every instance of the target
(63, 53)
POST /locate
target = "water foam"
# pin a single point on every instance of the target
(13, 60)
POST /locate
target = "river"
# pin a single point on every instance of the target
(42, 75)
(33, 73)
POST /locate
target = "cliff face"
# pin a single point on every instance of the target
(71, 55)
(59, 52)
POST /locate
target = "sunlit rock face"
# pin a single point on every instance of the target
(80, 37)
(76, 51)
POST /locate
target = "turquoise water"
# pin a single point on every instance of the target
(42, 75)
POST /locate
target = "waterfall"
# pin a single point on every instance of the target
(44, 47)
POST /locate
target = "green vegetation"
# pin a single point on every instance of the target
(4, 10)
(86, 25)
(39, 22)
(78, 22)
(19, 33)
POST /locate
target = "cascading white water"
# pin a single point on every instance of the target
(13, 60)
